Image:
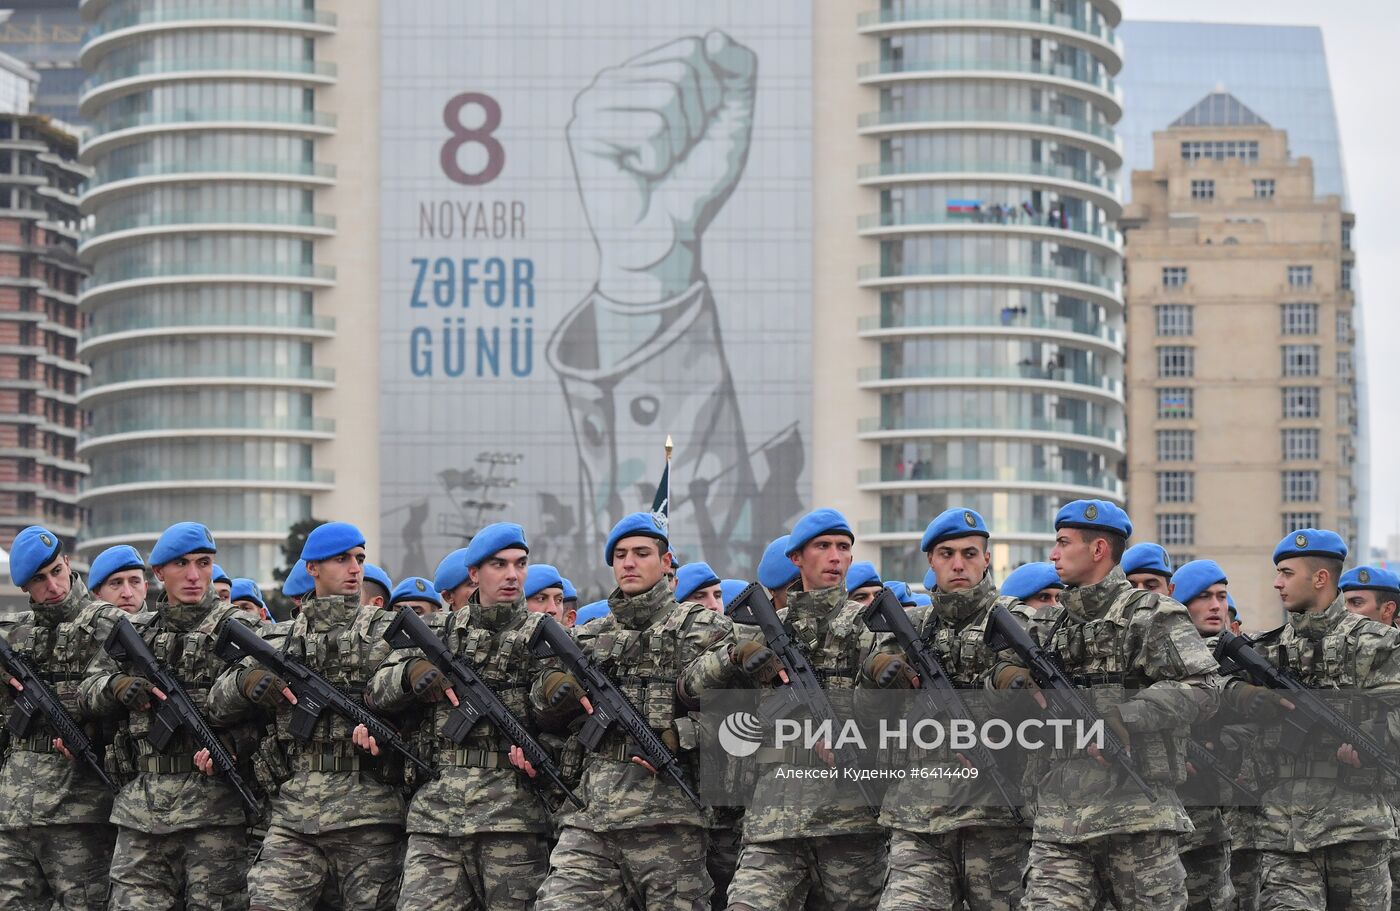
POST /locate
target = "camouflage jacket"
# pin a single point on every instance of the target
(40, 786)
(1311, 801)
(1119, 642)
(1204, 795)
(954, 628)
(476, 789)
(167, 793)
(648, 646)
(332, 785)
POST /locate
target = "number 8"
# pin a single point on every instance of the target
(461, 135)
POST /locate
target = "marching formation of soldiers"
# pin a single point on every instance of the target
(478, 740)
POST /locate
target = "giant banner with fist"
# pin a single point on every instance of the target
(596, 233)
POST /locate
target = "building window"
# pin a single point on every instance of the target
(1176, 403)
(1175, 319)
(1343, 326)
(1176, 486)
(1299, 319)
(1264, 188)
(1343, 365)
(1300, 360)
(1176, 361)
(1176, 445)
(1300, 276)
(1299, 444)
(1344, 409)
(1173, 276)
(1346, 276)
(1346, 234)
(1220, 150)
(1202, 189)
(1300, 486)
(1176, 529)
(1292, 521)
(1301, 401)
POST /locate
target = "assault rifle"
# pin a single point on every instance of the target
(610, 705)
(37, 701)
(1202, 758)
(177, 710)
(1063, 698)
(937, 695)
(315, 694)
(476, 701)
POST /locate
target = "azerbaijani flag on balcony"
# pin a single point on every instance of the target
(963, 206)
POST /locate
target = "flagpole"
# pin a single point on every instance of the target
(669, 447)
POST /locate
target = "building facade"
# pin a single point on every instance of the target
(1242, 398)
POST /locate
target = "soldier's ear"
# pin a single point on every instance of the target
(472, 573)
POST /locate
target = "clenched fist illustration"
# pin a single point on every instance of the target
(658, 145)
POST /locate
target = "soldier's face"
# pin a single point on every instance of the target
(421, 608)
(340, 575)
(223, 590)
(501, 577)
(1367, 603)
(1073, 556)
(1294, 583)
(959, 563)
(823, 561)
(1209, 610)
(456, 598)
(248, 607)
(709, 597)
(1149, 582)
(1046, 597)
(52, 583)
(548, 601)
(126, 590)
(638, 564)
(186, 578)
(863, 596)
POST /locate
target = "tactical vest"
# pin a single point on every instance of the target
(645, 665)
(61, 654)
(962, 652)
(505, 664)
(834, 652)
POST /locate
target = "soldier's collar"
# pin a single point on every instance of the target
(1089, 602)
(959, 606)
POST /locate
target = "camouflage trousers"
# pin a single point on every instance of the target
(493, 871)
(1395, 876)
(980, 866)
(1208, 883)
(656, 868)
(1140, 871)
(826, 873)
(723, 856)
(193, 869)
(60, 867)
(1244, 874)
(360, 865)
(1353, 875)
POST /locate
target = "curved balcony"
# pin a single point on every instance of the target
(1100, 137)
(228, 323)
(98, 536)
(1102, 89)
(1101, 288)
(879, 479)
(122, 482)
(111, 31)
(147, 377)
(108, 281)
(111, 82)
(1099, 39)
(119, 130)
(115, 180)
(1104, 339)
(109, 231)
(1080, 233)
(1064, 379)
(138, 431)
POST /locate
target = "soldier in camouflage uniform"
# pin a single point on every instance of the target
(1094, 831)
(181, 834)
(337, 816)
(118, 577)
(952, 839)
(55, 840)
(477, 834)
(799, 844)
(1326, 819)
(1205, 852)
(639, 839)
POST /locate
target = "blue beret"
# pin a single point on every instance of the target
(452, 571)
(638, 523)
(775, 570)
(729, 589)
(692, 577)
(570, 593)
(816, 523)
(861, 574)
(1094, 514)
(220, 575)
(541, 576)
(921, 599)
(1195, 577)
(113, 560)
(1230, 603)
(1311, 542)
(930, 580)
(1026, 580)
(376, 574)
(493, 539)
(1370, 578)
(34, 548)
(247, 590)
(1147, 557)
(331, 540)
(299, 583)
(953, 523)
(591, 612)
(902, 592)
(180, 539)
(415, 588)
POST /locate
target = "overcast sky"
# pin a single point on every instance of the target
(1363, 56)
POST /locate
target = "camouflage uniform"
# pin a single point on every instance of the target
(1325, 826)
(1205, 852)
(799, 845)
(1094, 831)
(1243, 823)
(55, 841)
(951, 840)
(337, 815)
(638, 838)
(181, 835)
(477, 834)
